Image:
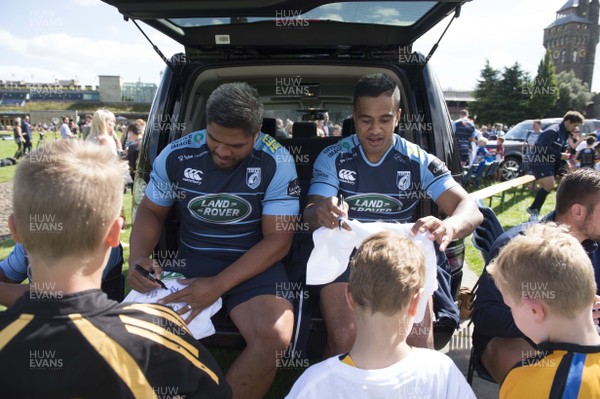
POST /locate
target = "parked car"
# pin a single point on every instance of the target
(590, 126)
(514, 140)
(301, 65)
(514, 163)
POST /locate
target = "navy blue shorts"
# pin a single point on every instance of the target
(540, 171)
(273, 281)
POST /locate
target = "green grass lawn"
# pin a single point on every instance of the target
(511, 216)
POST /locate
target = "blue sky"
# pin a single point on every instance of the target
(45, 39)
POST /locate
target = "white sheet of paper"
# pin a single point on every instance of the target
(330, 257)
(201, 326)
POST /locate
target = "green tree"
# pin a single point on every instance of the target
(544, 91)
(502, 97)
(486, 95)
(573, 93)
(513, 99)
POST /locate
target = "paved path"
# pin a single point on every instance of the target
(459, 348)
(6, 190)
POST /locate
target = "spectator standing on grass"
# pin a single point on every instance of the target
(499, 156)
(464, 129)
(484, 132)
(86, 127)
(27, 135)
(134, 133)
(73, 127)
(587, 155)
(18, 136)
(549, 151)
(65, 131)
(101, 126)
(113, 134)
(576, 143)
(530, 140)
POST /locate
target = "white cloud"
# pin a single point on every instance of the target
(66, 56)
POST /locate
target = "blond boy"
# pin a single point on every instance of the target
(65, 338)
(386, 283)
(551, 302)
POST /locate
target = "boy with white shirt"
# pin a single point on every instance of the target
(386, 283)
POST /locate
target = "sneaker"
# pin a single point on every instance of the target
(534, 215)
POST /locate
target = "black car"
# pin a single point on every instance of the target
(304, 58)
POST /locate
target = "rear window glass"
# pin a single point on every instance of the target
(405, 13)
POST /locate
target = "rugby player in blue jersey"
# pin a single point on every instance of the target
(382, 177)
(233, 186)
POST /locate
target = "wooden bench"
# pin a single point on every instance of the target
(502, 188)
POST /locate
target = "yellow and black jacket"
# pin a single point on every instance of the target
(85, 345)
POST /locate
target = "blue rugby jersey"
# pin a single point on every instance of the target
(389, 190)
(221, 210)
(463, 131)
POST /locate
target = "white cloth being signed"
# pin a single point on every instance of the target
(333, 247)
(201, 326)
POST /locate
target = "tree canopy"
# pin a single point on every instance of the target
(510, 95)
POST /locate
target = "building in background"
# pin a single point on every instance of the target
(138, 92)
(109, 90)
(572, 38)
(457, 100)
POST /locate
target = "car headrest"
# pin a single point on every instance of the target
(347, 127)
(269, 126)
(304, 130)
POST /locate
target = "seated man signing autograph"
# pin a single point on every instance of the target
(376, 166)
(231, 184)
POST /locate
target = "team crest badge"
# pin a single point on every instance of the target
(253, 177)
(403, 180)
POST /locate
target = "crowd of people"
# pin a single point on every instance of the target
(374, 347)
(99, 128)
(473, 140)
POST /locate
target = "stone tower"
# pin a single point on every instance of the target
(572, 38)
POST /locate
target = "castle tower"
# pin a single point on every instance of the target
(573, 36)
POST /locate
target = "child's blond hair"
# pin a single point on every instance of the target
(549, 264)
(66, 196)
(386, 272)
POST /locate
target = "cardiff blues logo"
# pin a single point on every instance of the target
(253, 177)
(403, 180)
